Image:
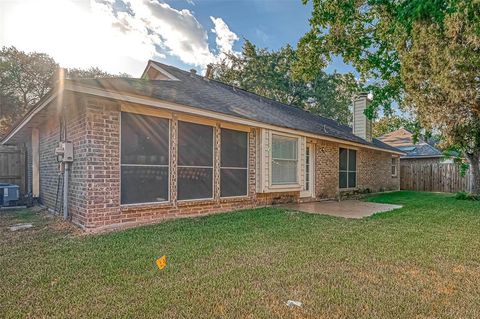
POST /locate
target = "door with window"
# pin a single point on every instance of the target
(309, 180)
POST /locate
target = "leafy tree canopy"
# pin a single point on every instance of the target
(423, 54)
(270, 74)
(26, 77)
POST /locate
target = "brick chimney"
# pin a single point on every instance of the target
(209, 72)
(362, 126)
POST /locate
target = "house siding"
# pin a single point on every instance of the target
(326, 169)
(374, 172)
(51, 186)
(49, 138)
(94, 191)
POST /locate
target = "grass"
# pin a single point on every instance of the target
(420, 261)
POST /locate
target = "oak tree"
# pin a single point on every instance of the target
(422, 54)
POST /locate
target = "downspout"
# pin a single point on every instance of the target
(66, 169)
(65, 190)
(66, 164)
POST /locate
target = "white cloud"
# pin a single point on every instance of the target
(171, 31)
(225, 38)
(115, 35)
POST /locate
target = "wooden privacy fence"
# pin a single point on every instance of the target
(12, 166)
(435, 178)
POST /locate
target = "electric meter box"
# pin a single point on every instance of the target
(64, 151)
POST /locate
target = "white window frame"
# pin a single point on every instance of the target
(394, 164)
(347, 170)
(310, 193)
(295, 185)
(247, 168)
(140, 165)
(213, 127)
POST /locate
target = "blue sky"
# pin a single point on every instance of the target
(267, 23)
(121, 35)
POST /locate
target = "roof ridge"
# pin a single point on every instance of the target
(260, 96)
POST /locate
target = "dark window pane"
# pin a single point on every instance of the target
(194, 183)
(352, 160)
(234, 146)
(352, 180)
(343, 159)
(144, 184)
(195, 144)
(145, 140)
(342, 177)
(233, 182)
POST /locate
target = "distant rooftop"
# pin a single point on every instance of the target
(403, 140)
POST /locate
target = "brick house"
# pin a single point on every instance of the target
(174, 144)
(418, 153)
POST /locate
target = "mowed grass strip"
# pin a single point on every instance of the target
(419, 261)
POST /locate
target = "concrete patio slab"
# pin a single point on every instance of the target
(345, 209)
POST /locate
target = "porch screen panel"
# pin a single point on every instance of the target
(233, 163)
(347, 175)
(144, 159)
(195, 161)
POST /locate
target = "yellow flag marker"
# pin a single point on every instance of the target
(161, 262)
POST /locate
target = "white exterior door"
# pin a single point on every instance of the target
(309, 180)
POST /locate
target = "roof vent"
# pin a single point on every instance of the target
(193, 71)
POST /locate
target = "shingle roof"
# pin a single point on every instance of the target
(403, 140)
(196, 91)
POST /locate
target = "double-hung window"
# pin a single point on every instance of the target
(348, 168)
(233, 163)
(394, 166)
(195, 161)
(284, 160)
(144, 159)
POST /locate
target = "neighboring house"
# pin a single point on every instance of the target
(415, 153)
(175, 144)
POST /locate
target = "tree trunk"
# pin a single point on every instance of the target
(474, 160)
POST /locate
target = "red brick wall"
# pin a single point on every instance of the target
(49, 138)
(326, 169)
(76, 133)
(373, 171)
(51, 187)
(102, 163)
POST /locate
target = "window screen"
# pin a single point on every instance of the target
(195, 161)
(284, 160)
(233, 163)
(144, 159)
(347, 176)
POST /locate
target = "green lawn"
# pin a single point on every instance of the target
(420, 261)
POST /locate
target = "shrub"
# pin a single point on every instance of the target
(466, 196)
